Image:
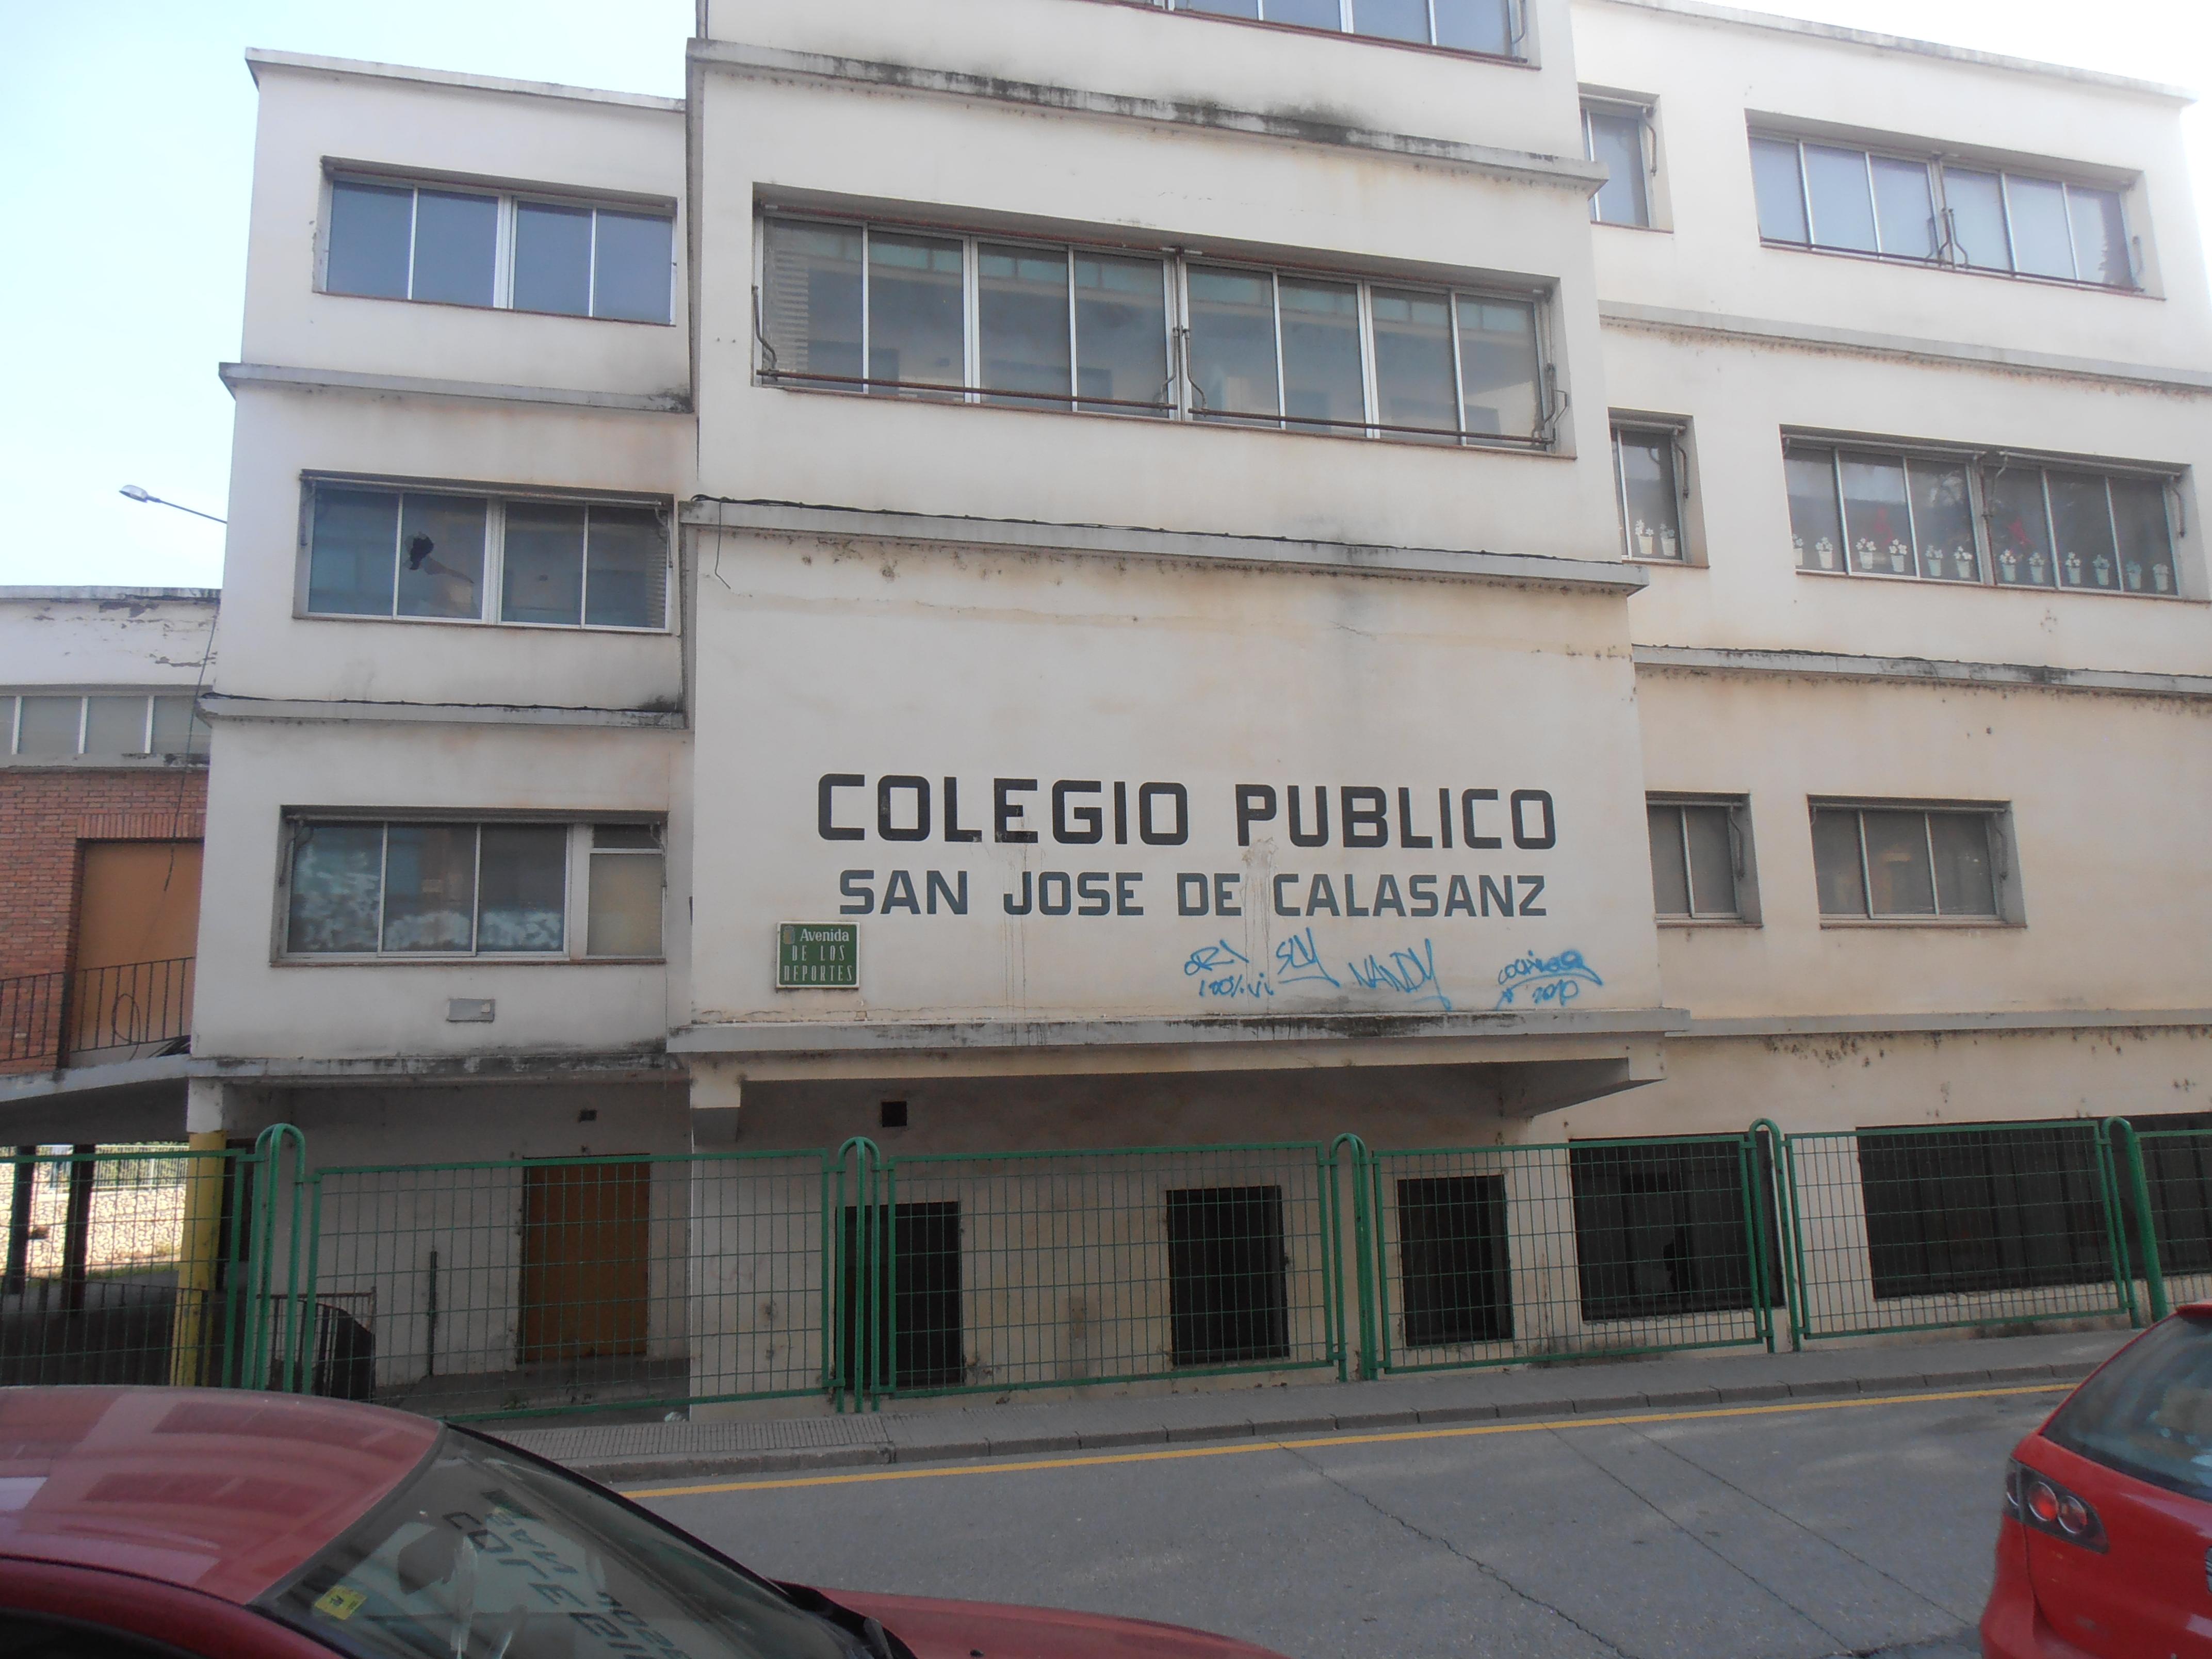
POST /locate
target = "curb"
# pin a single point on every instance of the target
(810, 1460)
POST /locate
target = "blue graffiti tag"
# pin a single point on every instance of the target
(1298, 960)
(1219, 969)
(1410, 973)
(1534, 981)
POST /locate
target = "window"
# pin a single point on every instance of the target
(1697, 858)
(41, 726)
(1663, 1228)
(1492, 28)
(470, 247)
(1900, 863)
(959, 319)
(1958, 517)
(1620, 135)
(1958, 1211)
(437, 888)
(1228, 1301)
(412, 553)
(1454, 1280)
(1648, 483)
(1909, 207)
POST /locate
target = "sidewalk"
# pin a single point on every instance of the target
(627, 1452)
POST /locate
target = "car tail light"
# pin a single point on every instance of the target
(2036, 1500)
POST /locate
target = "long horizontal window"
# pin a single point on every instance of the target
(429, 554)
(1912, 207)
(437, 888)
(469, 247)
(135, 726)
(1947, 518)
(1492, 28)
(1902, 863)
(903, 313)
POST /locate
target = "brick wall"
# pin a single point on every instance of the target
(44, 815)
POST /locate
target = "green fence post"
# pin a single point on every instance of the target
(1363, 1261)
(272, 1321)
(2116, 1227)
(1755, 1238)
(2128, 1152)
(862, 1254)
(1777, 1211)
(1793, 1259)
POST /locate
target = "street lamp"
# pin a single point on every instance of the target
(138, 493)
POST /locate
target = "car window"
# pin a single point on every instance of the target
(487, 1555)
(2149, 1413)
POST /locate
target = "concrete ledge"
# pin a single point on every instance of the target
(2038, 1019)
(235, 376)
(1921, 670)
(223, 706)
(1126, 541)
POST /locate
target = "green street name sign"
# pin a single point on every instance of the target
(817, 956)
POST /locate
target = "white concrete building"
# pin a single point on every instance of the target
(1470, 573)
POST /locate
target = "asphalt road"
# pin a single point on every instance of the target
(1811, 1531)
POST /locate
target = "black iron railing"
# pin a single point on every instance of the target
(89, 1015)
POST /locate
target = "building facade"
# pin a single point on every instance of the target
(1070, 574)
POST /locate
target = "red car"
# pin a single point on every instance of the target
(138, 1522)
(2105, 1548)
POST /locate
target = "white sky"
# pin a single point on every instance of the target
(128, 130)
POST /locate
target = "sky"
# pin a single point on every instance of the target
(128, 128)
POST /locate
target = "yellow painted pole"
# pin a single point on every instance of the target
(196, 1260)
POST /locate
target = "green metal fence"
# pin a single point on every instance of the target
(529, 1286)
(153, 1264)
(1963, 1225)
(1499, 1255)
(577, 1283)
(967, 1273)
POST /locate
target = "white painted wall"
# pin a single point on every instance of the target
(314, 113)
(1709, 77)
(85, 638)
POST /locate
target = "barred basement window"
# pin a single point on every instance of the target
(1975, 1208)
(394, 240)
(1953, 517)
(2177, 1157)
(1908, 206)
(435, 554)
(1903, 863)
(431, 888)
(954, 318)
(1454, 1279)
(1228, 1297)
(101, 726)
(1493, 28)
(917, 1340)
(1661, 1228)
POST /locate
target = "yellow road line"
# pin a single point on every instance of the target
(1240, 1447)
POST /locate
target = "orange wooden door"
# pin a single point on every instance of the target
(585, 1271)
(137, 928)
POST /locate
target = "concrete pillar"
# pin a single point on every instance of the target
(200, 1240)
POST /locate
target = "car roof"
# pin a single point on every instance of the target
(223, 1491)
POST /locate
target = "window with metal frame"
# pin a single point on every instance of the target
(1620, 135)
(1695, 860)
(1661, 1228)
(1228, 1297)
(1956, 516)
(507, 250)
(1884, 862)
(1845, 198)
(1649, 484)
(442, 888)
(954, 318)
(1489, 28)
(101, 726)
(1454, 1278)
(436, 555)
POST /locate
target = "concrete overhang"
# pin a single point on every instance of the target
(125, 1100)
(1125, 541)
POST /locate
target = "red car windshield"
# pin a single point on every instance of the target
(2149, 1413)
(486, 1554)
